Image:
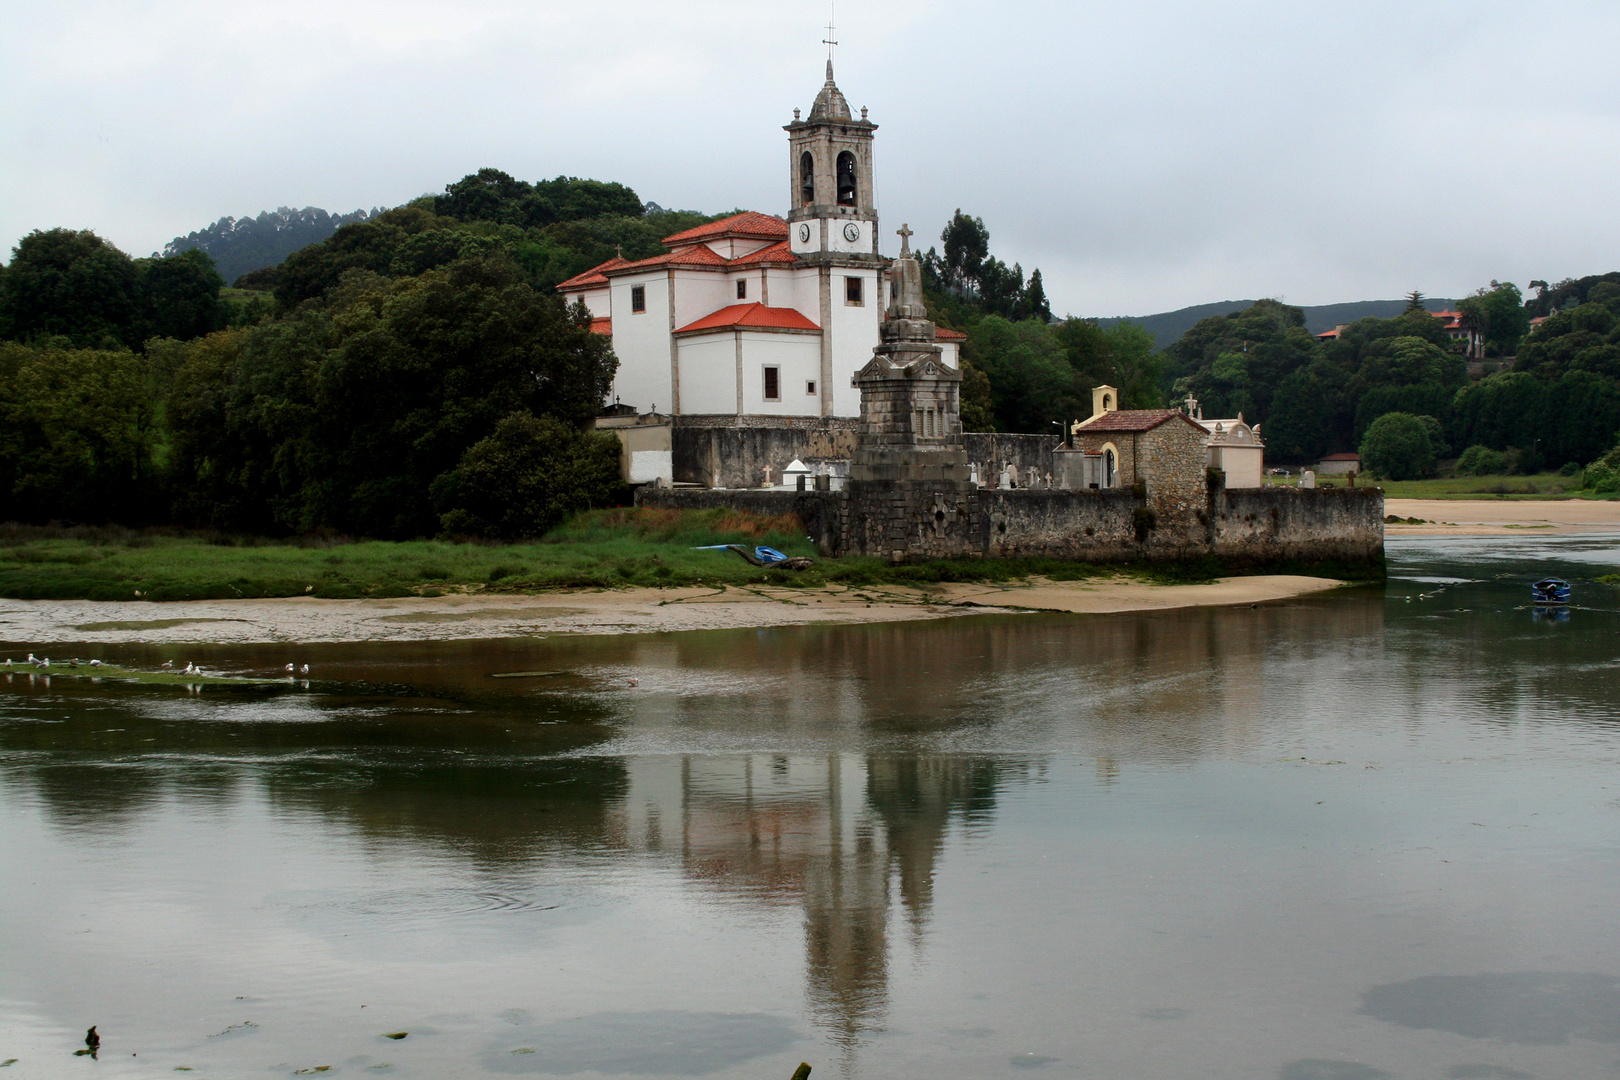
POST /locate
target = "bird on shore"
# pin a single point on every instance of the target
(191, 669)
(304, 670)
(44, 665)
(8, 661)
(32, 659)
(289, 669)
(95, 663)
(167, 664)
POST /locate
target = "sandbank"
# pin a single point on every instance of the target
(1504, 517)
(621, 611)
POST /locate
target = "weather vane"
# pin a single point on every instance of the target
(831, 40)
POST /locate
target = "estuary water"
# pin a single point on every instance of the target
(1371, 833)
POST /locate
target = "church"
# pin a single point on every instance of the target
(759, 317)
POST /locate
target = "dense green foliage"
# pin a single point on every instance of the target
(241, 245)
(68, 289)
(1557, 402)
(1022, 371)
(409, 357)
(1398, 446)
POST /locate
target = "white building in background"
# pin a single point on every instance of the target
(757, 315)
(1235, 447)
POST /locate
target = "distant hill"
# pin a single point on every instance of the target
(1166, 327)
(241, 245)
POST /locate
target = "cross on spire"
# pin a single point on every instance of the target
(905, 234)
(831, 40)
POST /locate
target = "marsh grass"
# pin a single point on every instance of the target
(601, 549)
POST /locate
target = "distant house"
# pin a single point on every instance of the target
(1163, 448)
(1473, 341)
(1333, 334)
(1339, 464)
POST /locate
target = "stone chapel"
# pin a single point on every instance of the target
(755, 316)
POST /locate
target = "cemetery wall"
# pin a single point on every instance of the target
(733, 451)
(914, 521)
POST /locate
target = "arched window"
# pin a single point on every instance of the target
(807, 178)
(846, 179)
(1108, 468)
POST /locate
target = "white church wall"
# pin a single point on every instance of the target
(641, 342)
(708, 366)
(598, 300)
(950, 354)
(799, 289)
(797, 358)
(699, 293)
(854, 330)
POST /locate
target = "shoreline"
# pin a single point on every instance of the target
(32, 623)
(1501, 517)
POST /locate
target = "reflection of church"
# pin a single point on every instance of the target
(757, 315)
(835, 833)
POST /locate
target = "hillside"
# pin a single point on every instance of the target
(1168, 326)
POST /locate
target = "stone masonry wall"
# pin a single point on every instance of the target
(1172, 458)
(991, 450)
(732, 451)
(1249, 526)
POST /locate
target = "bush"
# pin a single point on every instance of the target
(1397, 447)
(1482, 461)
(1569, 468)
(526, 477)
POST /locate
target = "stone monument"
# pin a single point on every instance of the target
(911, 490)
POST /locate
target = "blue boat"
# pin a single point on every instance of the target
(1550, 592)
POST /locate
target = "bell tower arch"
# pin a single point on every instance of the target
(833, 203)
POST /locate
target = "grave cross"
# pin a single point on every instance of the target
(905, 234)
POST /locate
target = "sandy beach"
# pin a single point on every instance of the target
(627, 611)
(1505, 517)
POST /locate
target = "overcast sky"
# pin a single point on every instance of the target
(1144, 155)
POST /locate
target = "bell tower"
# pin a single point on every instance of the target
(834, 209)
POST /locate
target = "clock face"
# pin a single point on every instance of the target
(852, 232)
(804, 234)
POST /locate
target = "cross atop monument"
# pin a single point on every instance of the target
(905, 234)
(831, 40)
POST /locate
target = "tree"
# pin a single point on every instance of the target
(182, 294)
(1415, 304)
(74, 286)
(526, 477)
(967, 245)
(240, 246)
(1035, 303)
(1397, 447)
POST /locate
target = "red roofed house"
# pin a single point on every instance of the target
(757, 315)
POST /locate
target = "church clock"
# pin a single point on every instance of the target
(804, 234)
(852, 232)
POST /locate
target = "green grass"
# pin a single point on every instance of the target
(601, 549)
(1540, 486)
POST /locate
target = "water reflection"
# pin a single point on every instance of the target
(826, 780)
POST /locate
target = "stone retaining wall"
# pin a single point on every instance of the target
(1248, 526)
(733, 451)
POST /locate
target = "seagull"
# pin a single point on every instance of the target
(45, 663)
(167, 664)
(74, 662)
(191, 669)
(290, 669)
(95, 663)
(634, 682)
(304, 670)
(32, 659)
(8, 661)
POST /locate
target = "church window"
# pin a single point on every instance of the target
(638, 298)
(773, 384)
(810, 387)
(846, 179)
(742, 289)
(854, 291)
(807, 178)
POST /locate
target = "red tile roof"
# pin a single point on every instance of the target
(696, 255)
(945, 333)
(770, 253)
(747, 223)
(602, 326)
(1327, 335)
(751, 317)
(1136, 420)
(592, 277)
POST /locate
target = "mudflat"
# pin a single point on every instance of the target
(1486, 517)
(620, 611)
